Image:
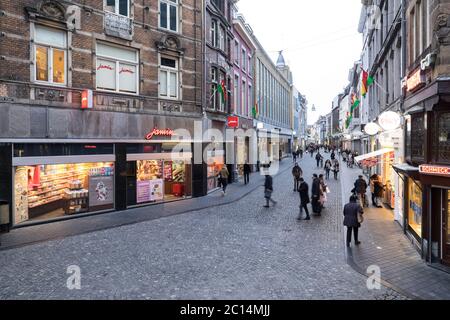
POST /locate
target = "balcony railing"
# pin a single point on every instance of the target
(117, 25)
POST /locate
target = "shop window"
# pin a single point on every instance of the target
(118, 7)
(441, 145)
(168, 10)
(415, 207)
(50, 47)
(44, 192)
(117, 69)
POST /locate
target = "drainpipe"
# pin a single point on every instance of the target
(404, 43)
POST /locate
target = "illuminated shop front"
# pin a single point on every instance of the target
(155, 174)
(215, 162)
(414, 208)
(77, 179)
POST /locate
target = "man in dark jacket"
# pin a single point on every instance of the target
(247, 171)
(268, 190)
(351, 211)
(360, 189)
(318, 159)
(303, 189)
(315, 191)
(296, 174)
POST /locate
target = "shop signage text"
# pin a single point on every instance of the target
(389, 120)
(435, 170)
(159, 133)
(233, 122)
(415, 81)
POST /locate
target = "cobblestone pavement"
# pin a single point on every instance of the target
(237, 251)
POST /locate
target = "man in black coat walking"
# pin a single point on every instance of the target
(351, 211)
(303, 189)
(315, 191)
(268, 190)
(247, 171)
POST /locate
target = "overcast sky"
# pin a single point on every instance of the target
(319, 39)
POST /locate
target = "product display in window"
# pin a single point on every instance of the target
(50, 191)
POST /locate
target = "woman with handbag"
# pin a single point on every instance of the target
(353, 217)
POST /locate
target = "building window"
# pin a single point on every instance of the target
(214, 92)
(236, 52)
(244, 98)
(418, 138)
(244, 60)
(121, 7)
(168, 15)
(414, 207)
(222, 38)
(168, 78)
(50, 55)
(250, 65)
(250, 100)
(219, 4)
(214, 33)
(117, 69)
(236, 94)
(222, 80)
(442, 138)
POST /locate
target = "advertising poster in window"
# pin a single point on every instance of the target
(149, 170)
(101, 191)
(157, 190)
(168, 172)
(106, 74)
(143, 193)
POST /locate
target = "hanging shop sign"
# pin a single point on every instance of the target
(435, 170)
(233, 122)
(389, 120)
(415, 81)
(159, 133)
(87, 100)
(372, 128)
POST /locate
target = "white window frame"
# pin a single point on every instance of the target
(50, 59)
(222, 37)
(214, 79)
(244, 59)
(214, 32)
(237, 53)
(118, 62)
(250, 100)
(221, 105)
(170, 4)
(237, 94)
(117, 6)
(244, 99)
(250, 65)
(169, 71)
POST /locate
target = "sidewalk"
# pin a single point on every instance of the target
(385, 245)
(60, 229)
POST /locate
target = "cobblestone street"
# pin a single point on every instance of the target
(237, 251)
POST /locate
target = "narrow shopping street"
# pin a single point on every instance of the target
(236, 251)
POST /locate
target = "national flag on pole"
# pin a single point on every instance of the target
(367, 81)
(355, 102)
(222, 90)
(255, 111)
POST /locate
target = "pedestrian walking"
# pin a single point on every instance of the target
(378, 191)
(315, 195)
(352, 219)
(303, 189)
(328, 167)
(333, 156)
(247, 171)
(336, 169)
(318, 158)
(223, 179)
(296, 174)
(372, 188)
(323, 192)
(361, 189)
(268, 190)
(301, 153)
(294, 156)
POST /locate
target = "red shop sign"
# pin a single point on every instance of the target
(233, 122)
(159, 133)
(435, 170)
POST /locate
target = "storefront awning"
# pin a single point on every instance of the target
(373, 154)
(406, 169)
